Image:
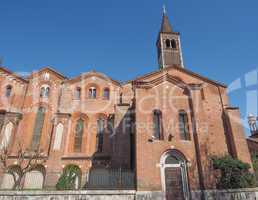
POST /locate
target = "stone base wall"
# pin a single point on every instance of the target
(149, 195)
(243, 194)
(67, 195)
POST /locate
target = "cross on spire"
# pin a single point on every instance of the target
(165, 25)
(164, 10)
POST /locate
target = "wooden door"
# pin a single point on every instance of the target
(174, 185)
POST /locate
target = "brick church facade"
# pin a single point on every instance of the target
(163, 126)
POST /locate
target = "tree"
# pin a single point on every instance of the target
(234, 174)
(25, 161)
(69, 178)
(255, 165)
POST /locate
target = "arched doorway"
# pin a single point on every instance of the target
(35, 179)
(174, 175)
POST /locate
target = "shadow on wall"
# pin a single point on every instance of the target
(116, 171)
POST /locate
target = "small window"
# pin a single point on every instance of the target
(173, 44)
(93, 93)
(167, 43)
(202, 94)
(47, 92)
(157, 122)
(184, 126)
(106, 94)
(8, 91)
(78, 93)
(44, 91)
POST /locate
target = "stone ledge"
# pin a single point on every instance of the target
(66, 192)
(231, 190)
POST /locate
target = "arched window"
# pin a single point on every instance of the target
(92, 93)
(173, 44)
(47, 91)
(167, 43)
(7, 135)
(38, 127)
(172, 160)
(100, 134)
(111, 124)
(106, 94)
(44, 91)
(183, 125)
(8, 91)
(157, 122)
(58, 136)
(78, 93)
(78, 135)
(8, 177)
(35, 179)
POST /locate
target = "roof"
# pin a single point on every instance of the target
(252, 140)
(47, 68)
(165, 25)
(116, 82)
(182, 70)
(93, 73)
(13, 74)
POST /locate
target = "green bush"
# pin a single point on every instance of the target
(67, 181)
(234, 173)
(255, 165)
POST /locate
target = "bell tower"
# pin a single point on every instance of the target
(168, 45)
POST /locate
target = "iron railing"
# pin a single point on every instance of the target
(109, 179)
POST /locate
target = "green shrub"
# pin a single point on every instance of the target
(234, 173)
(67, 181)
(255, 165)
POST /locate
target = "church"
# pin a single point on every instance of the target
(154, 134)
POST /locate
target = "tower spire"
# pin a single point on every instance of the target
(165, 25)
(168, 44)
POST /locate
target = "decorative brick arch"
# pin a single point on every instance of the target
(78, 115)
(93, 85)
(173, 165)
(35, 179)
(7, 134)
(7, 181)
(101, 116)
(76, 171)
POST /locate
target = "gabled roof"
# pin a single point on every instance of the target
(93, 73)
(164, 78)
(5, 70)
(51, 70)
(179, 69)
(252, 139)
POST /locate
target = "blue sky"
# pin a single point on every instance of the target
(117, 37)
